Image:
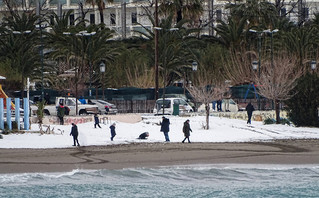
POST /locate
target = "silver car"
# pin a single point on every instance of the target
(104, 107)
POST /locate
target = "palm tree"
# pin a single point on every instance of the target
(20, 46)
(181, 9)
(256, 12)
(100, 5)
(231, 35)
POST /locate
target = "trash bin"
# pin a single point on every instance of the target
(175, 109)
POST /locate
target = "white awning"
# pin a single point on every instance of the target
(2, 78)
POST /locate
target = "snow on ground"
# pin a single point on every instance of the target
(221, 130)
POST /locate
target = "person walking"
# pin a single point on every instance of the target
(61, 113)
(249, 108)
(96, 121)
(186, 131)
(113, 134)
(219, 105)
(165, 128)
(75, 134)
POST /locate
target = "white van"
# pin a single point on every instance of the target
(168, 106)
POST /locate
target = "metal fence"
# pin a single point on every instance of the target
(134, 106)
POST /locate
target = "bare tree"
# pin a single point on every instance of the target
(140, 76)
(205, 89)
(278, 77)
(238, 68)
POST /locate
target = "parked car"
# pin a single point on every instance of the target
(168, 106)
(104, 107)
(233, 106)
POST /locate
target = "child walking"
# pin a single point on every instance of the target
(113, 134)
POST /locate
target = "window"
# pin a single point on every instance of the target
(92, 18)
(113, 19)
(134, 17)
(71, 19)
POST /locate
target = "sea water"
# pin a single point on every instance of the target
(176, 181)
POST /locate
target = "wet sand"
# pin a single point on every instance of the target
(158, 154)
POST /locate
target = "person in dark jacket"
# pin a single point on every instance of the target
(186, 131)
(165, 127)
(249, 108)
(113, 134)
(143, 136)
(75, 134)
(61, 113)
(96, 121)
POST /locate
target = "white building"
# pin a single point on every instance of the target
(123, 15)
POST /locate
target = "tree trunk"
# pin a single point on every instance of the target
(277, 110)
(207, 115)
(101, 15)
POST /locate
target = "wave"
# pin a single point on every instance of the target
(222, 180)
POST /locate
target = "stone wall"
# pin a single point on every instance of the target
(68, 120)
(257, 115)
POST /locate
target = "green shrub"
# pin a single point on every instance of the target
(302, 108)
(269, 121)
(284, 121)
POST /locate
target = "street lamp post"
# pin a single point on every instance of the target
(41, 27)
(21, 33)
(102, 70)
(259, 33)
(81, 33)
(89, 35)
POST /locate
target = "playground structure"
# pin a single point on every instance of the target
(8, 109)
(4, 96)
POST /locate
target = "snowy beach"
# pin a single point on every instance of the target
(227, 141)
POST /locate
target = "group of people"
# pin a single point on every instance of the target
(165, 129)
(75, 133)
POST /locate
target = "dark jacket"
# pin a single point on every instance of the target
(250, 108)
(61, 111)
(96, 119)
(74, 131)
(165, 125)
(143, 136)
(112, 127)
(186, 129)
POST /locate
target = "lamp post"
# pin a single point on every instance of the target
(259, 33)
(81, 33)
(41, 27)
(102, 70)
(21, 33)
(156, 50)
(89, 35)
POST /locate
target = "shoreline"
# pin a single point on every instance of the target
(136, 155)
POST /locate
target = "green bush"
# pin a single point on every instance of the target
(284, 121)
(273, 121)
(302, 108)
(269, 121)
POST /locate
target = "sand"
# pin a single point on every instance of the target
(158, 154)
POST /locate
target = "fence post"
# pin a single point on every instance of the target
(17, 112)
(9, 113)
(1, 114)
(26, 113)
